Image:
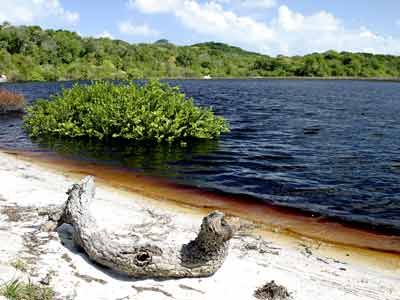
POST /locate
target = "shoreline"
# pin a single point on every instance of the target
(294, 78)
(288, 223)
(308, 268)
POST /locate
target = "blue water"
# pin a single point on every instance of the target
(331, 147)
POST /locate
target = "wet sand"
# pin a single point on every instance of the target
(321, 234)
(258, 253)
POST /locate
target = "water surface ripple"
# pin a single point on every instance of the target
(331, 147)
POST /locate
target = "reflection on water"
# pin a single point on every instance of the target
(150, 158)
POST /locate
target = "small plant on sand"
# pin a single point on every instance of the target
(20, 265)
(105, 111)
(11, 102)
(18, 290)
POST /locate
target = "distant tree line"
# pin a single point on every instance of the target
(31, 53)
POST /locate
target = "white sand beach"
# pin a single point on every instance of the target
(253, 259)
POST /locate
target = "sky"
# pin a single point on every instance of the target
(273, 27)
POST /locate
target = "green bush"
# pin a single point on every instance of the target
(103, 110)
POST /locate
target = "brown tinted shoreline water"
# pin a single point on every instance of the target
(376, 247)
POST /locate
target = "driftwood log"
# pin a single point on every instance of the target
(201, 257)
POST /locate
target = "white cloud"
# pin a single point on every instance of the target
(129, 28)
(365, 33)
(210, 19)
(289, 32)
(292, 21)
(33, 11)
(71, 17)
(258, 3)
(299, 34)
(154, 6)
(105, 34)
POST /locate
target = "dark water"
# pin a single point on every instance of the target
(331, 147)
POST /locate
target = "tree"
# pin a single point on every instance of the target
(185, 59)
(29, 52)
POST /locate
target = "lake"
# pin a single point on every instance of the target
(328, 147)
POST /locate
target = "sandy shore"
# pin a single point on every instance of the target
(255, 258)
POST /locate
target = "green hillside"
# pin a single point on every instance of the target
(31, 53)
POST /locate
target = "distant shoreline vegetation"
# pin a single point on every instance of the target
(29, 53)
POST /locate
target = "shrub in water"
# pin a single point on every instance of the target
(103, 110)
(11, 102)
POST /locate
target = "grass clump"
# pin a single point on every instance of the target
(18, 290)
(104, 111)
(11, 102)
(20, 265)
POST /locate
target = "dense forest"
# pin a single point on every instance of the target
(31, 53)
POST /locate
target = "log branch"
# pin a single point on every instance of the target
(143, 259)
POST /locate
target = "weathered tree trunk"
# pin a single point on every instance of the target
(140, 259)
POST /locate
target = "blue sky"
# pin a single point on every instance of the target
(272, 27)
